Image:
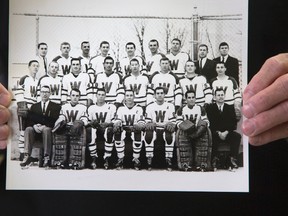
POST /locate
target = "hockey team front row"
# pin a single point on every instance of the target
(139, 106)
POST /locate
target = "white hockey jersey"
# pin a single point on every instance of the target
(55, 85)
(177, 63)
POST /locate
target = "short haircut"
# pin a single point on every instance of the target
(42, 43)
(104, 42)
(107, 58)
(223, 63)
(223, 44)
(203, 45)
(30, 62)
(134, 60)
(101, 90)
(45, 86)
(218, 89)
(53, 62)
(84, 42)
(159, 88)
(164, 59)
(191, 61)
(64, 43)
(130, 43)
(188, 92)
(177, 39)
(76, 59)
(76, 90)
(154, 40)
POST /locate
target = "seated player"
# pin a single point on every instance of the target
(69, 132)
(160, 118)
(100, 117)
(40, 120)
(193, 139)
(129, 118)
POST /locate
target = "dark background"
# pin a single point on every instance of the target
(268, 28)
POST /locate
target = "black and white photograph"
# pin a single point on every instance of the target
(127, 95)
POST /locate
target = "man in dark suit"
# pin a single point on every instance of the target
(205, 66)
(223, 123)
(40, 121)
(231, 63)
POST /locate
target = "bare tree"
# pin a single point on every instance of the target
(140, 26)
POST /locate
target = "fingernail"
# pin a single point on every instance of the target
(247, 110)
(248, 127)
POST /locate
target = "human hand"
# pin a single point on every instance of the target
(38, 128)
(265, 102)
(5, 99)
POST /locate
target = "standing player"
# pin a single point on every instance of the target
(64, 60)
(160, 118)
(53, 81)
(205, 66)
(129, 119)
(197, 83)
(177, 58)
(77, 80)
(231, 63)
(169, 81)
(153, 60)
(230, 87)
(125, 62)
(70, 125)
(101, 116)
(26, 95)
(111, 81)
(42, 59)
(85, 56)
(138, 83)
(96, 62)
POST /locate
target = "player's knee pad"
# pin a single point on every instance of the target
(137, 136)
(168, 137)
(108, 135)
(149, 136)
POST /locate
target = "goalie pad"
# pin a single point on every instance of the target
(22, 109)
(187, 126)
(76, 128)
(77, 150)
(59, 149)
(184, 151)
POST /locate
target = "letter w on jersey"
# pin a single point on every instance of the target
(129, 119)
(75, 85)
(33, 91)
(71, 116)
(55, 89)
(136, 88)
(101, 118)
(160, 116)
(166, 87)
(174, 64)
(192, 118)
(191, 87)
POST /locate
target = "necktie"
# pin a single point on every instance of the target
(45, 66)
(201, 63)
(219, 107)
(43, 108)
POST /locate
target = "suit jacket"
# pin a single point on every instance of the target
(221, 121)
(209, 69)
(35, 115)
(232, 65)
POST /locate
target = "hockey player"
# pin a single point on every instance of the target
(85, 56)
(194, 141)
(64, 60)
(111, 81)
(229, 84)
(129, 119)
(177, 58)
(96, 62)
(153, 60)
(166, 79)
(77, 80)
(138, 82)
(101, 116)
(53, 81)
(125, 62)
(69, 125)
(160, 118)
(26, 94)
(197, 83)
